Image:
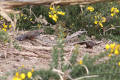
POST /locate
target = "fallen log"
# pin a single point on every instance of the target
(18, 3)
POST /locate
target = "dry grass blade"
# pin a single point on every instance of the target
(4, 14)
(92, 76)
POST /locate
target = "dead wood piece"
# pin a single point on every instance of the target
(18, 3)
(74, 35)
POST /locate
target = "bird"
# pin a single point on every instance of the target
(89, 44)
(29, 35)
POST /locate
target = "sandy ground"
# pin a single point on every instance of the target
(37, 53)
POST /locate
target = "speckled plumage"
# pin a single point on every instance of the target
(29, 35)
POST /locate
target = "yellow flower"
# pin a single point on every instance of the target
(107, 46)
(111, 51)
(112, 14)
(53, 13)
(51, 8)
(95, 22)
(112, 9)
(81, 62)
(116, 52)
(90, 8)
(116, 10)
(101, 25)
(22, 76)
(49, 13)
(119, 63)
(16, 78)
(50, 16)
(61, 13)
(10, 26)
(30, 19)
(117, 46)
(112, 46)
(4, 25)
(55, 16)
(25, 17)
(4, 29)
(32, 70)
(17, 74)
(103, 19)
(55, 19)
(110, 55)
(29, 74)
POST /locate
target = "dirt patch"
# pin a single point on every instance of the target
(37, 53)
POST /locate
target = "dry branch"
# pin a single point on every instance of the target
(85, 77)
(17, 3)
(69, 37)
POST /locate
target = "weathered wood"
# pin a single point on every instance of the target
(74, 35)
(13, 4)
(18, 3)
